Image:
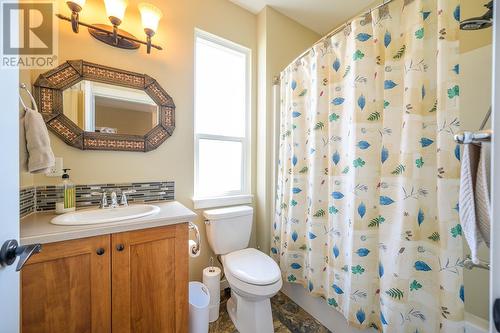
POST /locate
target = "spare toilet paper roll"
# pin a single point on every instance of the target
(211, 279)
(191, 249)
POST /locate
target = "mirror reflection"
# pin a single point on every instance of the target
(105, 108)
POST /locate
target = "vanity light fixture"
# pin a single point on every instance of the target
(112, 35)
(150, 16)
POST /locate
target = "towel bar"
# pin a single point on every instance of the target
(473, 137)
(470, 265)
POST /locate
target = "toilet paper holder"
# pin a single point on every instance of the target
(194, 227)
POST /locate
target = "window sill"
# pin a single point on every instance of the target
(231, 200)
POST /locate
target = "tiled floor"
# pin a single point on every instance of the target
(288, 318)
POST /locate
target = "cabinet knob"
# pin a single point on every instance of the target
(120, 247)
(100, 251)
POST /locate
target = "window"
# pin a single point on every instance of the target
(222, 107)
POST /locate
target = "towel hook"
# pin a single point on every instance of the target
(33, 102)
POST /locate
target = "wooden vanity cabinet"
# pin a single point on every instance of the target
(135, 281)
(150, 280)
(67, 287)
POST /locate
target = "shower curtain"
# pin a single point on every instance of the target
(367, 191)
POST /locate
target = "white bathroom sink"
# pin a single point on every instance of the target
(106, 215)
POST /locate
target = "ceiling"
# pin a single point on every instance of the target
(320, 16)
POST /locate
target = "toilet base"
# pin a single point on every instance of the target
(250, 316)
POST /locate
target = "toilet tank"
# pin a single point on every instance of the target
(228, 229)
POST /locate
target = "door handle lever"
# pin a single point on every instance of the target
(11, 249)
(25, 252)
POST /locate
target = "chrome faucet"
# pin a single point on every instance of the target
(114, 198)
(104, 199)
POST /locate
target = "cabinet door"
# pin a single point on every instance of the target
(150, 280)
(67, 288)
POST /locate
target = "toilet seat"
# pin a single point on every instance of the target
(252, 266)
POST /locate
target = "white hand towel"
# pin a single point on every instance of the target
(40, 155)
(482, 193)
(23, 151)
(467, 208)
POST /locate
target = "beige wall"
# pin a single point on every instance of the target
(281, 40)
(173, 68)
(475, 100)
(276, 40)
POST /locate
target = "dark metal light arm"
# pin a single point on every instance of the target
(75, 20)
(118, 34)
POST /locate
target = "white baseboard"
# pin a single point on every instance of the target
(475, 324)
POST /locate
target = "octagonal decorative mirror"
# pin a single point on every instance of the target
(95, 107)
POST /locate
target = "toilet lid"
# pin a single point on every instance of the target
(252, 266)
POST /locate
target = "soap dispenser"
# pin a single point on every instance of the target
(68, 202)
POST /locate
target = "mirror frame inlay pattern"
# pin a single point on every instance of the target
(49, 88)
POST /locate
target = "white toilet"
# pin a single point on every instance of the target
(252, 275)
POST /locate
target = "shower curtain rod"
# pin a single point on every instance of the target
(340, 28)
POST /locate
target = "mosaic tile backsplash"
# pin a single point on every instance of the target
(27, 201)
(44, 198)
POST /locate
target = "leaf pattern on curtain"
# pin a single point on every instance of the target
(367, 213)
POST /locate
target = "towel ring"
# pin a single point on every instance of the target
(33, 102)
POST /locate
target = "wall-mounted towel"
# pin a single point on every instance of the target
(482, 193)
(474, 196)
(23, 151)
(40, 155)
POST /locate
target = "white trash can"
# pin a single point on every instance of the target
(199, 299)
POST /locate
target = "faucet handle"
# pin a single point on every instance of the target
(124, 200)
(104, 198)
(114, 199)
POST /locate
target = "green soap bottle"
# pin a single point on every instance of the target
(68, 202)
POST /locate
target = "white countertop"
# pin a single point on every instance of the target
(36, 228)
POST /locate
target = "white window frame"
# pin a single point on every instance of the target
(233, 197)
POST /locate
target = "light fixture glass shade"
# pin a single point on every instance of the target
(150, 15)
(116, 8)
(80, 3)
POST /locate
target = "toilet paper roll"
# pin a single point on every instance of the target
(191, 249)
(211, 279)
